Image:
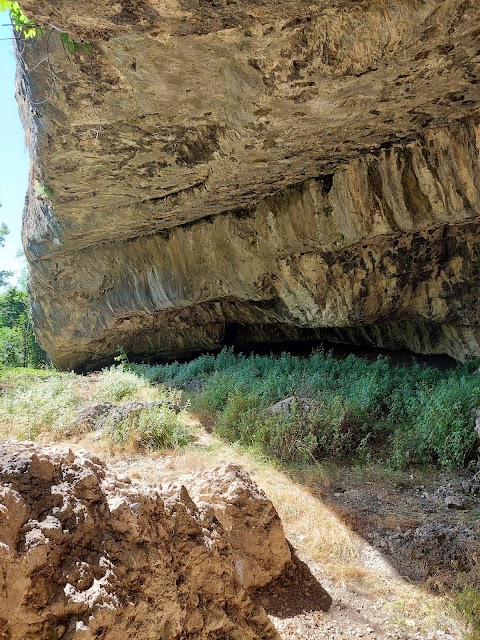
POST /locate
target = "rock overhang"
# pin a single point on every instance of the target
(282, 167)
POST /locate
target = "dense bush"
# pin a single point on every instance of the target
(115, 384)
(18, 347)
(403, 415)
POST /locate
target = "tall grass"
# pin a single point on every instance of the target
(152, 428)
(46, 404)
(358, 409)
(467, 602)
(117, 384)
(402, 415)
(35, 403)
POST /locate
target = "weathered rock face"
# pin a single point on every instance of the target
(84, 555)
(249, 518)
(253, 171)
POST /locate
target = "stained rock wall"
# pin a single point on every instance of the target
(253, 171)
(84, 554)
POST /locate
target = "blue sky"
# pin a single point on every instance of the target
(14, 161)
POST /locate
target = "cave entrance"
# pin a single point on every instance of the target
(254, 339)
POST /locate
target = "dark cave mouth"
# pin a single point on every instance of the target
(275, 339)
(244, 339)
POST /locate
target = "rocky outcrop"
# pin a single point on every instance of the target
(250, 520)
(247, 171)
(85, 554)
(434, 549)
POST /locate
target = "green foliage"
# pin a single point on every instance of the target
(151, 428)
(33, 405)
(18, 347)
(403, 415)
(71, 45)
(116, 384)
(121, 357)
(43, 191)
(30, 29)
(437, 422)
(4, 231)
(21, 23)
(11, 351)
(4, 275)
(467, 601)
(45, 403)
(291, 439)
(13, 304)
(175, 373)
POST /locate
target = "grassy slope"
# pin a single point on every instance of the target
(356, 409)
(44, 405)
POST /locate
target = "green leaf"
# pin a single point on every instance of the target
(20, 21)
(71, 45)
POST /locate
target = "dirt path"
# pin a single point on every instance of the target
(369, 597)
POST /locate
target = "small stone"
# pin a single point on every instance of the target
(454, 501)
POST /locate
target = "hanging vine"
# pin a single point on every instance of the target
(20, 22)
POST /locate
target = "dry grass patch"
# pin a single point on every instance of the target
(45, 406)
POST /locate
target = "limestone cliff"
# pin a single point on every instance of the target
(249, 169)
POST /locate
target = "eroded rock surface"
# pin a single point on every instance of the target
(225, 172)
(250, 520)
(84, 555)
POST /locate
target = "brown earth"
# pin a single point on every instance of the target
(371, 547)
(358, 537)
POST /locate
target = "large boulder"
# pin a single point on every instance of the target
(249, 518)
(85, 555)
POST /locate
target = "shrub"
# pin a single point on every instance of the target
(117, 384)
(291, 439)
(437, 423)
(467, 601)
(175, 373)
(151, 428)
(34, 407)
(37, 403)
(18, 347)
(405, 415)
(11, 347)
